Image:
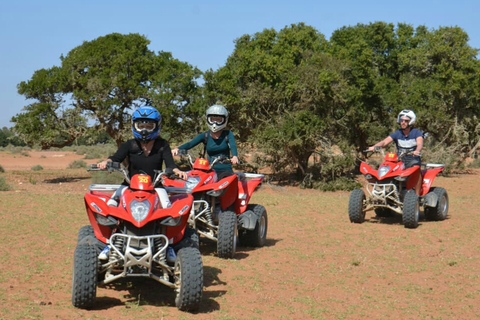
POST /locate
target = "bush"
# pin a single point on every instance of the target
(4, 186)
(77, 164)
(475, 163)
(107, 177)
(1, 169)
(37, 167)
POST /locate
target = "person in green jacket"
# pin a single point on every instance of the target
(217, 140)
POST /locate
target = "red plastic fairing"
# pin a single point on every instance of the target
(201, 164)
(141, 182)
(245, 191)
(391, 157)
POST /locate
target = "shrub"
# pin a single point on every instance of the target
(1, 168)
(107, 177)
(77, 164)
(37, 167)
(4, 186)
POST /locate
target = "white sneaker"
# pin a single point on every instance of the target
(112, 203)
(104, 254)
(171, 255)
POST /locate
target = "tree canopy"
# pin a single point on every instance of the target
(97, 86)
(291, 93)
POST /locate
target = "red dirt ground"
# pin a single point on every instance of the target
(315, 265)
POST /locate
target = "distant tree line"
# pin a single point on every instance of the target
(307, 105)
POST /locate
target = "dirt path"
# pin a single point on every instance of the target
(315, 265)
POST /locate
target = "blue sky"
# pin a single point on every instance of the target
(33, 34)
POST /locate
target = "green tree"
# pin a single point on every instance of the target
(284, 93)
(96, 88)
(441, 79)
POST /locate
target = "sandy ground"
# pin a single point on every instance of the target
(315, 265)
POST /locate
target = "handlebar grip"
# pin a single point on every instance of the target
(182, 152)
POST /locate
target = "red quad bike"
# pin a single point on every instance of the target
(221, 210)
(390, 190)
(139, 239)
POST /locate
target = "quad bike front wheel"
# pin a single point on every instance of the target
(411, 210)
(188, 275)
(227, 234)
(84, 282)
(258, 236)
(440, 211)
(84, 232)
(355, 206)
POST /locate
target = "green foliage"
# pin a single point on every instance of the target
(77, 164)
(103, 80)
(100, 151)
(102, 177)
(8, 137)
(37, 167)
(291, 94)
(4, 186)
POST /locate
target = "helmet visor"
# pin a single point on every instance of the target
(147, 125)
(216, 119)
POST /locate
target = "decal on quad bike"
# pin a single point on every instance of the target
(223, 185)
(181, 212)
(93, 204)
(144, 179)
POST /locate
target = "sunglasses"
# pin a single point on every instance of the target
(404, 120)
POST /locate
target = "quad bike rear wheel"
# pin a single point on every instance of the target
(188, 275)
(440, 211)
(84, 282)
(227, 234)
(258, 236)
(355, 206)
(411, 210)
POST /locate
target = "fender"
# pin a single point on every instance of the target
(366, 169)
(230, 195)
(428, 177)
(95, 204)
(245, 191)
(413, 173)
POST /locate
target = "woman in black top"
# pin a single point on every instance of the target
(146, 153)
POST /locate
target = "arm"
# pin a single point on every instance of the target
(385, 142)
(170, 163)
(233, 148)
(189, 145)
(419, 148)
(119, 156)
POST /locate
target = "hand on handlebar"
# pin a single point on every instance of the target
(103, 165)
(234, 160)
(182, 174)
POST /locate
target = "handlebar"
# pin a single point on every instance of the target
(220, 159)
(400, 155)
(118, 166)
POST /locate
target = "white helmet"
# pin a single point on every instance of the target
(409, 114)
(217, 117)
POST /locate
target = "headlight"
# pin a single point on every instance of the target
(172, 222)
(139, 209)
(192, 182)
(105, 221)
(383, 171)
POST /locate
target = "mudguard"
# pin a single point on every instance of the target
(245, 191)
(428, 177)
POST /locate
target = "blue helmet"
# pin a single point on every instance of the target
(146, 123)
